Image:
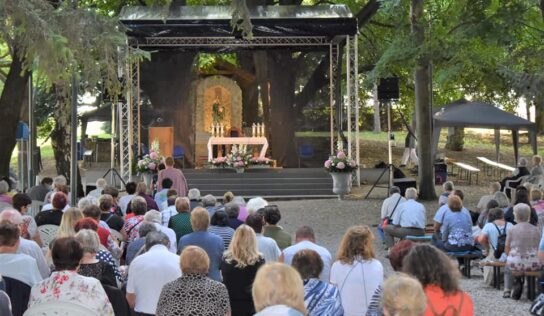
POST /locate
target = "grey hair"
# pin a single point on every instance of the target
(522, 212)
(156, 238)
(153, 216)
(239, 200)
(101, 183)
(145, 228)
(256, 204)
(522, 162)
(193, 194)
(501, 198)
(4, 187)
(60, 180)
(448, 186)
(411, 194)
(89, 240)
(232, 209)
(394, 189)
(86, 201)
(496, 186)
(209, 200)
(139, 204)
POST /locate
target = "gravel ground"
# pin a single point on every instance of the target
(330, 218)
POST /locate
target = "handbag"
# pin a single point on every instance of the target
(389, 219)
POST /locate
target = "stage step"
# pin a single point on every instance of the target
(272, 182)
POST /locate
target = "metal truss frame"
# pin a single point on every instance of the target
(230, 41)
(353, 106)
(130, 110)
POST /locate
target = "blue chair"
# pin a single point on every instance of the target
(305, 152)
(179, 154)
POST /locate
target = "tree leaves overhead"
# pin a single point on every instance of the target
(59, 41)
(490, 49)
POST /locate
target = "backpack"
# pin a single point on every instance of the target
(501, 241)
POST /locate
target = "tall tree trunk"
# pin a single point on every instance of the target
(167, 79)
(456, 139)
(377, 121)
(282, 74)
(60, 136)
(423, 107)
(539, 112)
(250, 92)
(11, 102)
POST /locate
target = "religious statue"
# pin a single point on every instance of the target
(218, 111)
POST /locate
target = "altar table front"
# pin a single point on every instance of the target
(237, 141)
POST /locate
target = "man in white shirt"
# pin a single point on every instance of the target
(15, 265)
(149, 272)
(100, 185)
(408, 220)
(27, 247)
(266, 245)
(389, 206)
(154, 217)
(305, 239)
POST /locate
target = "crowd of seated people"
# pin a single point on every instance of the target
(229, 257)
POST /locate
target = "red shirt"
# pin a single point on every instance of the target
(103, 234)
(448, 305)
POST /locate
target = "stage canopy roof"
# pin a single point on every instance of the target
(214, 21)
(477, 114)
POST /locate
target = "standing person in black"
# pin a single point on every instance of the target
(114, 221)
(239, 267)
(54, 215)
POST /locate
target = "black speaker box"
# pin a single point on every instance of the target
(388, 89)
(405, 183)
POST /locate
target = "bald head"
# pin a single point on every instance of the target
(11, 216)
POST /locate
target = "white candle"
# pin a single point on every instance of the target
(253, 130)
(263, 133)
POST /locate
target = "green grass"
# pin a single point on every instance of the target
(46, 152)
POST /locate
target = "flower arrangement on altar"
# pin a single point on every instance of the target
(220, 162)
(238, 157)
(150, 162)
(260, 161)
(340, 163)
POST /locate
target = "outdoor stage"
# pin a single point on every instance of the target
(267, 183)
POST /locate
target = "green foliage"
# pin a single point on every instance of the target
(491, 50)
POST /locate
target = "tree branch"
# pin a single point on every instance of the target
(391, 26)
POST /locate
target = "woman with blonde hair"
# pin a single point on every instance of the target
(239, 267)
(403, 296)
(68, 222)
(356, 272)
(278, 291)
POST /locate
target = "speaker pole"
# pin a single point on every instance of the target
(389, 149)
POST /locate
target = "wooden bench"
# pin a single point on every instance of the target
(492, 167)
(530, 277)
(420, 239)
(497, 265)
(466, 257)
(468, 170)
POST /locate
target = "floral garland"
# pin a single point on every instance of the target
(238, 157)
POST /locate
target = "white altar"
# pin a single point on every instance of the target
(237, 141)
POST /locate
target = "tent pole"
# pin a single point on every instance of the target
(515, 142)
(497, 144)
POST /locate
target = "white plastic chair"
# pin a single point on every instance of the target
(35, 207)
(59, 309)
(48, 233)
